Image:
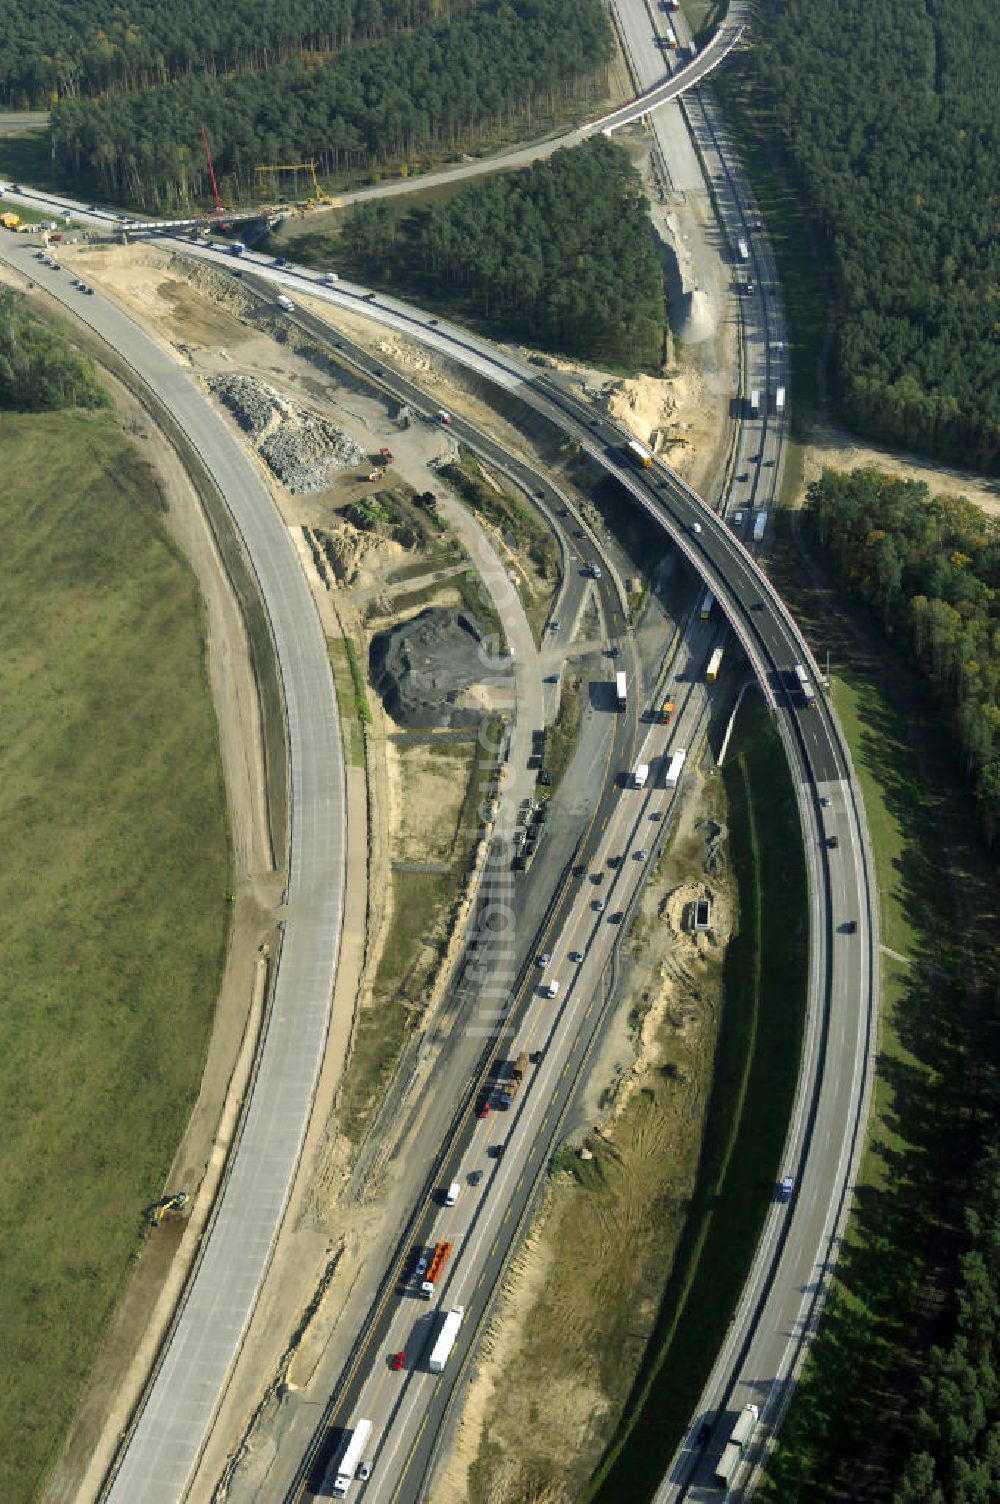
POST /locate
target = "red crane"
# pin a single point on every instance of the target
(215, 187)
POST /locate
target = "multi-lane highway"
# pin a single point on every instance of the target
(775, 1314)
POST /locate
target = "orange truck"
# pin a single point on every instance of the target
(439, 1258)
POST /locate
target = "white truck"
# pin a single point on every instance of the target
(759, 524)
(621, 691)
(755, 404)
(675, 769)
(640, 776)
(743, 249)
(779, 400)
(446, 1339)
(347, 1463)
(736, 1446)
(285, 303)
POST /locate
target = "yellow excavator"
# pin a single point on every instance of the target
(175, 1203)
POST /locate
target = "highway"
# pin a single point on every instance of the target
(786, 1287)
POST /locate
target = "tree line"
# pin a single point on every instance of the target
(957, 1455)
(39, 369)
(930, 567)
(65, 49)
(560, 255)
(891, 116)
(409, 96)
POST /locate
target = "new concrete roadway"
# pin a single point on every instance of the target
(204, 1341)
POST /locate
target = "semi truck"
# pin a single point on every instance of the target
(739, 1440)
(639, 453)
(509, 1087)
(714, 664)
(621, 691)
(706, 606)
(671, 38)
(755, 404)
(808, 693)
(743, 249)
(439, 1258)
(779, 400)
(346, 1466)
(446, 1339)
(759, 524)
(675, 769)
(666, 712)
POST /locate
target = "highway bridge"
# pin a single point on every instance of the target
(785, 1292)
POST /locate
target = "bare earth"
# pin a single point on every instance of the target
(833, 449)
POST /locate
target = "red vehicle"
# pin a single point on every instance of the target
(385, 455)
(397, 1361)
(484, 1110)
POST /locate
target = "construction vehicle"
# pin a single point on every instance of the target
(385, 455)
(319, 196)
(10, 221)
(376, 474)
(666, 712)
(509, 1087)
(439, 1258)
(175, 1203)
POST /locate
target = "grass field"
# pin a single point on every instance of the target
(755, 1072)
(113, 890)
(423, 904)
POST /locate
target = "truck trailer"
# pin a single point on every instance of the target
(621, 691)
(509, 1087)
(759, 524)
(675, 769)
(346, 1467)
(779, 400)
(439, 1258)
(739, 1440)
(446, 1339)
(743, 249)
(755, 404)
(639, 453)
(714, 664)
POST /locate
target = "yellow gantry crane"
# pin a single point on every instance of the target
(310, 167)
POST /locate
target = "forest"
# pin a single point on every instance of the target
(560, 255)
(958, 1401)
(410, 95)
(64, 49)
(890, 114)
(39, 370)
(930, 567)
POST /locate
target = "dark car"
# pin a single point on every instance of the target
(281, 260)
(545, 779)
(833, 842)
(704, 1432)
(616, 917)
(496, 1151)
(849, 927)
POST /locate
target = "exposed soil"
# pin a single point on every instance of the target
(582, 1295)
(832, 449)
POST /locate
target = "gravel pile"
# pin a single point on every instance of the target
(304, 451)
(422, 668)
